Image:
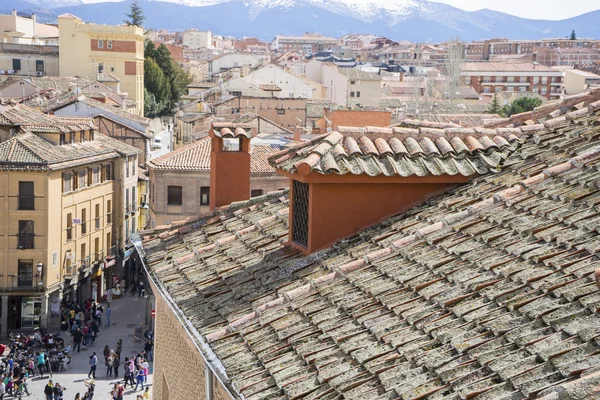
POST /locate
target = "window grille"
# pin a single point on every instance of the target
(300, 214)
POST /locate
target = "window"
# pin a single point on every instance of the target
(96, 175)
(543, 90)
(16, 62)
(357, 94)
(67, 182)
(174, 195)
(126, 201)
(487, 78)
(300, 213)
(127, 168)
(133, 200)
(69, 227)
(109, 44)
(535, 89)
(82, 179)
(281, 111)
(25, 273)
(26, 234)
(83, 257)
(486, 89)
(498, 89)
(522, 89)
(536, 80)
(256, 192)
(352, 94)
(83, 221)
(499, 79)
(62, 139)
(109, 211)
(108, 244)
(204, 195)
(126, 229)
(100, 44)
(235, 93)
(523, 79)
(510, 79)
(544, 80)
(352, 82)
(39, 65)
(133, 166)
(133, 225)
(97, 217)
(511, 88)
(108, 172)
(26, 198)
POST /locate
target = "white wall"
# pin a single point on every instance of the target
(233, 60)
(197, 39)
(336, 83)
(291, 86)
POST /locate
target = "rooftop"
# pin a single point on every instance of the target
(486, 291)
(357, 74)
(32, 120)
(504, 67)
(196, 157)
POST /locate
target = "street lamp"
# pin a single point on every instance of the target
(39, 266)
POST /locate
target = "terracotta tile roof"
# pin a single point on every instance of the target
(355, 74)
(231, 130)
(316, 108)
(464, 120)
(32, 120)
(196, 157)
(400, 152)
(504, 67)
(27, 151)
(487, 291)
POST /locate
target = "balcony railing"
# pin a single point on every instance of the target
(26, 241)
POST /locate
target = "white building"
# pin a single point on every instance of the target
(328, 75)
(287, 84)
(576, 81)
(195, 39)
(26, 30)
(225, 62)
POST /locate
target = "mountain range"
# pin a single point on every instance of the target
(414, 20)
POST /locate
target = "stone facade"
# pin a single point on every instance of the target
(179, 367)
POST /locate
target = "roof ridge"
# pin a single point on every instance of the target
(576, 162)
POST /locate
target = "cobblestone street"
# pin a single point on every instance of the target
(126, 313)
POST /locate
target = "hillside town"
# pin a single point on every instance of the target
(306, 217)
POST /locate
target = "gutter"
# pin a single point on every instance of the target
(212, 364)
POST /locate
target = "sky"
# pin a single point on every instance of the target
(535, 9)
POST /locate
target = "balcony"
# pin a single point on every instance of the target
(26, 241)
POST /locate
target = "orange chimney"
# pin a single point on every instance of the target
(358, 177)
(298, 133)
(229, 163)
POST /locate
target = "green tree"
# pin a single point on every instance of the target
(573, 36)
(520, 105)
(157, 85)
(495, 106)
(136, 15)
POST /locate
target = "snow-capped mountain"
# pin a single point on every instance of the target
(415, 20)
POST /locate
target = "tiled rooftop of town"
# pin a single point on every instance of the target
(485, 292)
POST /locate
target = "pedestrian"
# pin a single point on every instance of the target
(49, 390)
(139, 378)
(47, 363)
(109, 365)
(141, 288)
(24, 385)
(149, 349)
(58, 391)
(116, 364)
(95, 330)
(93, 365)
(41, 364)
(120, 391)
(77, 337)
(107, 313)
(2, 389)
(106, 353)
(145, 367)
(113, 392)
(30, 367)
(119, 348)
(91, 385)
(146, 394)
(99, 316)
(77, 397)
(128, 371)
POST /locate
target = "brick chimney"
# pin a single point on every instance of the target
(229, 163)
(358, 177)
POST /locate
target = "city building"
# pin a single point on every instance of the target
(62, 222)
(577, 81)
(305, 44)
(228, 61)
(478, 51)
(580, 57)
(103, 52)
(18, 29)
(280, 83)
(180, 184)
(28, 59)
(335, 82)
(491, 77)
(195, 39)
(397, 275)
(363, 88)
(284, 112)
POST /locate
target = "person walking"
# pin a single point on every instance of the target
(149, 349)
(106, 353)
(139, 378)
(93, 365)
(107, 314)
(58, 391)
(47, 363)
(49, 390)
(41, 364)
(116, 364)
(119, 348)
(128, 371)
(141, 288)
(91, 385)
(24, 385)
(109, 365)
(30, 368)
(77, 337)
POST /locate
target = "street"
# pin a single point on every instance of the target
(126, 313)
(165, 136)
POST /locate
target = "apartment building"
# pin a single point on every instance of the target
(580, 57)
(195, 39)
(478, 51)
(306, 44)
(363, 88)
(100, 52)
(28, 59)
(61, 222)
(19, 29)
(180, 185)
(492, 77)
(228, 61)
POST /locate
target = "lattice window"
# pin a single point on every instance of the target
(300, 214)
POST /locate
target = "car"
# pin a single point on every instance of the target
(157, 144)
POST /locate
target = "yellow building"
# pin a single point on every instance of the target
(113, 54)
(59, 188)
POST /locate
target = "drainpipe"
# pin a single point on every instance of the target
(208, 382)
